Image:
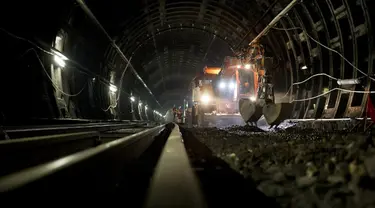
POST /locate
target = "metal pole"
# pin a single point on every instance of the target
(256, 24)
(96, 21)
(275, 20)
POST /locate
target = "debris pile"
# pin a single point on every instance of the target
(309, 168)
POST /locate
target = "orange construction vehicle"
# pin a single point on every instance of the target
(261, 102)
(203, 95)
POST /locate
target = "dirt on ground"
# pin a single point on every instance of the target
(300, 167)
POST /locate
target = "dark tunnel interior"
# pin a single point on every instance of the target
(168, 43)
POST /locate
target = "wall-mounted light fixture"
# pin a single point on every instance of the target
(348, 81)
(59, 58)
(112, 88)
(304, 67)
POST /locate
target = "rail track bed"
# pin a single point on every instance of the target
(300, 167)
(171, 166)
(163, 166)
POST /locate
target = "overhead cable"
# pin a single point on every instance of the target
(53, 83)
(114, 45)
(334, 89)
(315, 75)
(328, 48)
(106, 82)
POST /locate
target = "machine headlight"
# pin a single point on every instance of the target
(247, 66)
(205, 99)
(232, 85)
(222, 85)
(253, 98)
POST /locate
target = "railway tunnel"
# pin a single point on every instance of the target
(88, 82)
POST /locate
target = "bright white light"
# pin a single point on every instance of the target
(304, 67)
(59, 61)
(247, 66)
(59, 58)
(253, 98)
(222, 85)
(146, 107)
(140, 103)
(112, 88)
(238, 66)
(132, 98)
(205, 99)
(232, 85)
(348, 81)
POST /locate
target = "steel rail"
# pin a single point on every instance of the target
(80, 167)
(310, 23)
(327, 62)
(18, 154)
(174, 183)
(49, 130)
(341, 49)
(298, 54)
(32, 142)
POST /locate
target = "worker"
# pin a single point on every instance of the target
(174, 110)
(179, 114)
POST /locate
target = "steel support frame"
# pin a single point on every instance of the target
(329, 113)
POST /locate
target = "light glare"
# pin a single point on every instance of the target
(232, 85)
(59, 61)
(205, 99)
(113, 88)
(222, 85)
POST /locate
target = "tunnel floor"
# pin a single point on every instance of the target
(299, 166)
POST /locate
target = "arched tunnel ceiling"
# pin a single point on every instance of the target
(171, 41)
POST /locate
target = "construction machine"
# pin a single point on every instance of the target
(203, 95)
(215, 98)
(242, 84)
(259, 99)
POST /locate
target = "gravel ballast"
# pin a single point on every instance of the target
(300, 167)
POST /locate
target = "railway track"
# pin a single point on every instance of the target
(32, 145)
(162, 166)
